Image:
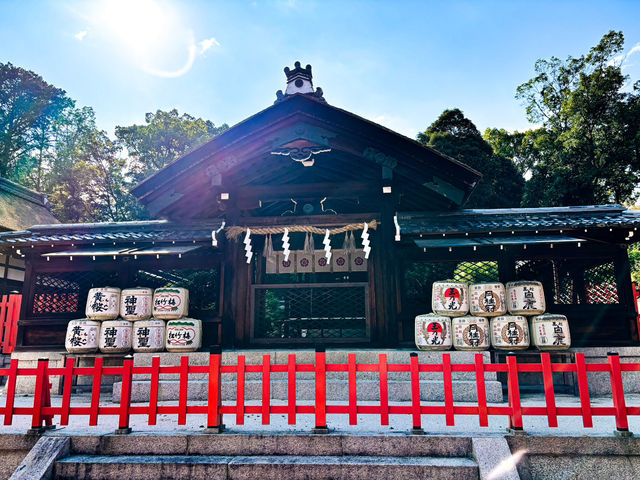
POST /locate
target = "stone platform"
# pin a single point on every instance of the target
(431, 384)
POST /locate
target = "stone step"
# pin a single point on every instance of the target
(368, 390)
(233, 444)
(264, 467)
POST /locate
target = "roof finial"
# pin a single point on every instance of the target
(299, 80)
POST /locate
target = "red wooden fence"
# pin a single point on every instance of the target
(9, 314)
(42, 412)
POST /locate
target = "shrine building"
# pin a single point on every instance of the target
(306, 225)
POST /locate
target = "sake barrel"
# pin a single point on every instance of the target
(487, 299)
(148, 335)
(135, 303)
(170, 303)
(82, 336)
(103, 303)
(550, 332)
(115, 336)
(510, 332)
(183, 335)
(433, 332)
(450, 298)
(470, 333)
(525, 298)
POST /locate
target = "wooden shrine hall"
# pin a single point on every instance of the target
(308, 225)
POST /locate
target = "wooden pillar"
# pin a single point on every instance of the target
(385, 282)
(236, 296)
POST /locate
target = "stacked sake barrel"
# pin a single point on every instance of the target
(549, 331)
(481, 315)
(118, 321)
(183, 334)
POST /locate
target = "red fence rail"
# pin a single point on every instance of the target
(9, 315)
(43, 413)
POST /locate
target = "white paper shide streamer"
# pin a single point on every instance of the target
(286, 244)
(327, 244)
(247, 245)
(214, 234)
(365, 240)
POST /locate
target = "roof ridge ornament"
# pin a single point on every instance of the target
(299, 80)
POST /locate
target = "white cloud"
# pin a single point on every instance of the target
(80, 35)
(207, 44)
(623, 59)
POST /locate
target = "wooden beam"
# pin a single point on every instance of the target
(248, 196)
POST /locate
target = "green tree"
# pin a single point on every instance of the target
(28, 107)
(165, 137)
(587, 148)
(456, 136)
(88, 179)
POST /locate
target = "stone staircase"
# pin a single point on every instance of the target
(431, 385)
(241, 456)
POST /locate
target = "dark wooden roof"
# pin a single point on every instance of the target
(21, 207)
(607, 222)
(356, 144)
(107, 233)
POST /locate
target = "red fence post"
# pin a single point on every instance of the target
(95, 392)
(266, 389)
(483, 417)
(291, 386)
(549, 393)
(415, 395)
(41, 398)
(5, 315)
(125, 396)
(353, 390)
(214, 417)
(448, 389)
(11, 392)
(515, 419)
(153, 394)
(183, 395)
(617, 391)
(240, 390)
(66, 391)
(321, 392)
(384, 389)
(583, 386)
(11, 326)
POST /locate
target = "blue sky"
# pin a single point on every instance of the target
(398, 63)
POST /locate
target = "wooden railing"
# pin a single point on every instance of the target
(9, 315)
(43, 413)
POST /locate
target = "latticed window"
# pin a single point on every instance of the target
(419, 276)
(600, 284)
(56, 293)
(572, 281)
(319, 311)
(476, 272)
(203, 285)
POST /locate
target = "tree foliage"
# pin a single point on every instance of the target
(163, 138)
(456, 136)
(586, 149)
(49, 144)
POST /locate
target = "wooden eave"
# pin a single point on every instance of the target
(251, 139)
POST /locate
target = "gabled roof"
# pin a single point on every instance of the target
(21, 207)
(425, 167)
(615, 217)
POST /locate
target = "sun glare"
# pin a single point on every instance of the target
(137, 24)
(150, 32)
